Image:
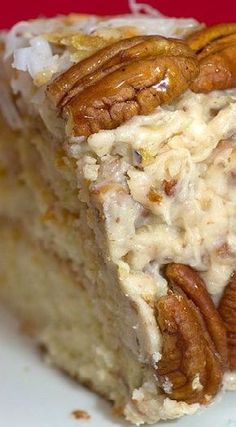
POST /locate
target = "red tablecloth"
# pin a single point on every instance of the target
(210, 11)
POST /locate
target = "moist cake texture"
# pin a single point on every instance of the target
(117, 224)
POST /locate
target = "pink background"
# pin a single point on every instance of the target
(210, 11)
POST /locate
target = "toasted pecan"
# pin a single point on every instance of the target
(195, 352)
(201, 38)
(189, 281)
(65, 82)
(216, 51)
(188, 355)
(227, 310)
(127, 78)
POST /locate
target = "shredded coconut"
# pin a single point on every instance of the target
(37, 59)
(137, 8)
(167, 27)
(156, 357)
(138, 395)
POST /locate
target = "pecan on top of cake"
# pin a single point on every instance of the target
(134, 75)
(127, 78)
(215, 48)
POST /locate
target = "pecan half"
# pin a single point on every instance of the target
(129, 77)
(216, 51)
(195, 352)
(227, 310)
(188, 355)
(188, 280)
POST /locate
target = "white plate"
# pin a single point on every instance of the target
(36, 395)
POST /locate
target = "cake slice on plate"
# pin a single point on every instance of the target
(117, 204)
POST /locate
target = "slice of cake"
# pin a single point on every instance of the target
(118, 204)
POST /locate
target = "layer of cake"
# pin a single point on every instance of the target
(11, 182)
(61, 309)
(76, 327)
(75, 236)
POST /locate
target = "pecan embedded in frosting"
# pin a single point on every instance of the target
(195, 352)
(189, 281)
(216, 51)
(188, 365)
(127, 78)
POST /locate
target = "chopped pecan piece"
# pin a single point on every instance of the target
(129, 77)
(223, 251)
(188, 356)
(169, 187)
(80, 414)
(227, 310)
(153, 196)
(185, 278)
(216, 51)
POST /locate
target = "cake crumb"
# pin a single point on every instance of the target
(118, 411)
(26, 328)
(79, 414)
